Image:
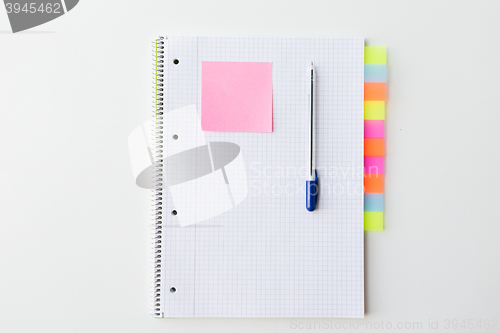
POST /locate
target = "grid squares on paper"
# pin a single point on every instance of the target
(269, 257)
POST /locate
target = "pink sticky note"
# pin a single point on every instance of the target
(237, 96)
(374, 129)
(374, 165)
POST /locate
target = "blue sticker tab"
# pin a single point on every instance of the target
(374, 202)
(375, 73)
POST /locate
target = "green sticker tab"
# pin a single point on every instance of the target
(375, 55)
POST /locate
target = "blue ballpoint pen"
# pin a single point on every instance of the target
(312, 187)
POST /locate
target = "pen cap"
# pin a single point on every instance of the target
(312, 191)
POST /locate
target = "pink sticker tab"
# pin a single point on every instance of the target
(374, 129)
(237, 96)
(374, 165)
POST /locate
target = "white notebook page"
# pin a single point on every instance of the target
(267, 256)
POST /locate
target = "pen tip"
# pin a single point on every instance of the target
(311, 64)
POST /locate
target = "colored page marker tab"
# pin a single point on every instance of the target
(374, 110)
(374, 91)
(374, 202)
(374, 129)
(375, 55)
(375, 73)
(374, 165)
(374, 220)
(374, 147)
(374, 183)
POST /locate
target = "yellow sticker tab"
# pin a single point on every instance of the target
(375, 55)
(374, 110)
(374, 221)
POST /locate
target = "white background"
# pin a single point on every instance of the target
(74, 228)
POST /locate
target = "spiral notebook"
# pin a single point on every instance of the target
(232, 236)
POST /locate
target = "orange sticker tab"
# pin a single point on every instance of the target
(374, 147)
(374, 183)
(374, 91)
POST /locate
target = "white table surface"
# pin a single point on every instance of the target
(74, 237)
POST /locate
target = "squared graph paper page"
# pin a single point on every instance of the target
(241, 243)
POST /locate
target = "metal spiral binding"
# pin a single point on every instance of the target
(157, 128)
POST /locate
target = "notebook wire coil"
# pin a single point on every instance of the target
(157, 181)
